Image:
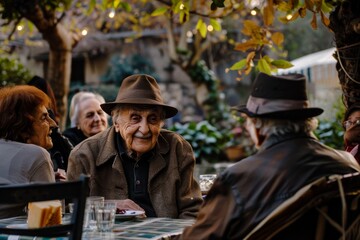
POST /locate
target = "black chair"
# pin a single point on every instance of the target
(76, 191)
(326, 209)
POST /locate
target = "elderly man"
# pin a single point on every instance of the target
(137, 161)
(289, 157)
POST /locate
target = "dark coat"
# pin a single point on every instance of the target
(251, 189)
(61, 149)
(75, 135)
(172, 188)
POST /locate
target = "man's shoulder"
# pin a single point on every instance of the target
(97, 141)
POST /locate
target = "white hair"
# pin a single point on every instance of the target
(75, 102)
(282, 127)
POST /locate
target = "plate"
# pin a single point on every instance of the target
(18, 225)
(129, 214)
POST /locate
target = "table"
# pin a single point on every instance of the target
(131, 229)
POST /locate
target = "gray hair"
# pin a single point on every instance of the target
(280, 127)
(75, 102)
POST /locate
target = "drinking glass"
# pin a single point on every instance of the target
(105, 215)
(90, 211)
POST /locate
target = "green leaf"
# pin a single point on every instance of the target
(91, 7)
(263, 66)
(216, 25)
(238, 65)
(125, 6)
(281, 63)
(159, 11)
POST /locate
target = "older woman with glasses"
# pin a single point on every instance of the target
(352, 130)
(25, 128)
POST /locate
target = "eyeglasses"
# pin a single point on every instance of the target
(348, 124)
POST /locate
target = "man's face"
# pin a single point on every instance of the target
(92, 119)
(352, 133)
(42, 129)
(139, 128)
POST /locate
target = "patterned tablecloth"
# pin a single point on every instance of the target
(130, 229)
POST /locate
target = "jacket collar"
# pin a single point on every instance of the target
(275, 139)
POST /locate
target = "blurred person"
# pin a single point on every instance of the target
(351, 126)
(25, 129)
(280, 123)
(87, 117)
(136, 161)
(61, 145)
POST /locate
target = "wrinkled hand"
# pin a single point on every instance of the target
(60, 175)
(128, 204)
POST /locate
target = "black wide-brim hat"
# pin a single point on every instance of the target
(279, 97)
(139, 89)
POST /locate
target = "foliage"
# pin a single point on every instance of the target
(262, 34)
(217, 112)
(12, 72)
(122, 67)
(331, 132)
(207, 141)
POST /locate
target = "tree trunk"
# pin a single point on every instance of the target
(59, 69)
(345, 23)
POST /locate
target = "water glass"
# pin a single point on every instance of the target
(105, 215)
(206, 181)
(90, 212)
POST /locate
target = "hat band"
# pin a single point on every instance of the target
(263, 106)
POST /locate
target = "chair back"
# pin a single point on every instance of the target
(327, 208)
(76, 191)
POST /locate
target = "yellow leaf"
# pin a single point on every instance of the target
(246, 45)
(277, 38)
(268, 15)
(250, 27)
(313, 22)
(324, 19)
(263, 66)
(309, 4)
(284, 6)
(250, 56)
(202, 28)
(267, 59)
(317, 4)
(302, 12)
(116, 3)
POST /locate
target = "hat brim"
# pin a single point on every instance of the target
(288, 114)
(169, 110)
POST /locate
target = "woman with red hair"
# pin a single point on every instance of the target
(25, 128)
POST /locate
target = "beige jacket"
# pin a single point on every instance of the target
(172, 188)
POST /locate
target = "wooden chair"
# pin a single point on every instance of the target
(326, 209)
(76, 191)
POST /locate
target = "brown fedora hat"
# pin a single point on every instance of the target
(279, 97)
(139, 89)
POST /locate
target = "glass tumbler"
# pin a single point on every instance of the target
(90, 214)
